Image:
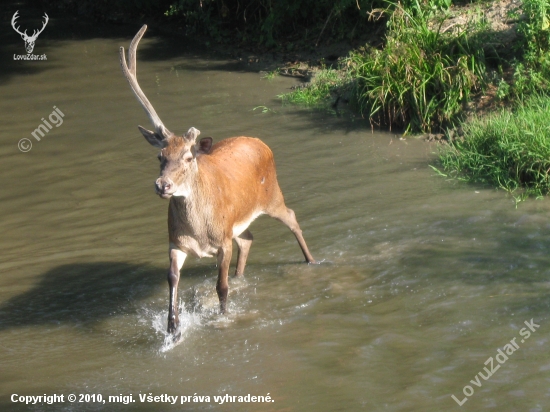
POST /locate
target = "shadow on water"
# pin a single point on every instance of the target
(160, 46)
(85, 293)
(515, 262)
(62, 27)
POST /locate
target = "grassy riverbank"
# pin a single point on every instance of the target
(428, 78)
(418, 81)
(509, 149)
(435, 64)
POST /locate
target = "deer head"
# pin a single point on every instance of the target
(178, 153)
(29, 40)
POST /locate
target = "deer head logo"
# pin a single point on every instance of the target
(29, 40)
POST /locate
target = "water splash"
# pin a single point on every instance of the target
(198, 308)
(188, 321)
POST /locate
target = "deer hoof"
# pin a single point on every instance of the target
(172, 325)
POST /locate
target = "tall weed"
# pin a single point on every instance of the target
(532, 71)
(421, 78)
(510, 149)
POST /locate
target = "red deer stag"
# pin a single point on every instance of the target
(215, 191)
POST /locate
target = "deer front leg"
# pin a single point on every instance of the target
(224, 259)
(177, 257)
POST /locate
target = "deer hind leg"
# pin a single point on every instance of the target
(288, 217)
(177, 257)
(244, 241)
(224, 260)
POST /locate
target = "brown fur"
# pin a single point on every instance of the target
(227, 190)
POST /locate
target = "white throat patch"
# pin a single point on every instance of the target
(183, 190)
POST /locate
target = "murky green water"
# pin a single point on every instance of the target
(423, 280)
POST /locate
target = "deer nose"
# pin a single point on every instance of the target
(164, 186)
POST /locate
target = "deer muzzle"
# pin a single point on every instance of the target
(164, 187)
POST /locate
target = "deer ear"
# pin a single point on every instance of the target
(191, 134)
(153, 138)
(205, 145)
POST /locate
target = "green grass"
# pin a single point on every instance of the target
(422, 77)
(510, 150)
(418, 81)
(271, 74)
(318, 91)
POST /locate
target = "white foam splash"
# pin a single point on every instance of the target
(202, 310)
(188, 321)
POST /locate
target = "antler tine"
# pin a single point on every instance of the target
(36, 32)
(132, 51)
(130, 74)
(45, 22)
(13, 19)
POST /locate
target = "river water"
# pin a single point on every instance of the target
(423, 279)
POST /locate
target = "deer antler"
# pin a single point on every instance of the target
(36, 33)
(24, 34)
(13, 19)
(129, 71)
